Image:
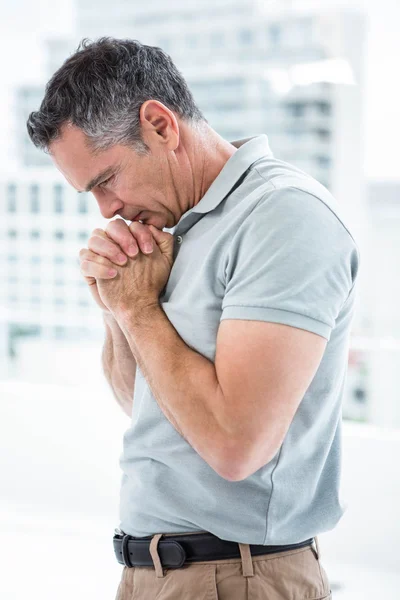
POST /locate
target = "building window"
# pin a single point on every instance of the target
(59, 301)
(59, 282)
(323, 161)
(13, 299)
(35, 299)
(12, 197)
(58, 198)
(35, 280)
(245, 36)
(275, 34)
(83, 235)
(35, 259)
(35, 233)
(13, 279)
(34, 198)
(59, 235)
(59, 259)
(323, 134)
(83, 303)
(12, 233)
(12, 258)
(297, 109)
(82, 203)
(324, 107)
(59, 333)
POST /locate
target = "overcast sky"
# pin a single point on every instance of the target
(25, 23)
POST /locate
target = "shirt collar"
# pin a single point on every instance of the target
(249, 150)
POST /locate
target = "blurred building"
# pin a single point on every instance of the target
(253, 67)
(383, 346)
(43, 225)
(28, 97)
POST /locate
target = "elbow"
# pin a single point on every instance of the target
(237, 465)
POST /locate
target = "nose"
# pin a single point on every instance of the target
(108, 207)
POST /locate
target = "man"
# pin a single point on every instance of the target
(226, 340)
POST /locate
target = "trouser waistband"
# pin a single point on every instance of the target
(172, 551)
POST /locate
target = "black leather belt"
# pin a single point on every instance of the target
(174, 551)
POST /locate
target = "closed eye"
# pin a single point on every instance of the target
(105, 182)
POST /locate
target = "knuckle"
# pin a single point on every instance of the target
(116, 227)
(98, 231)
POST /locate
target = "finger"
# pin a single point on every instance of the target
(104, 246)
(93, 265)
(118, 231)
(143, 236)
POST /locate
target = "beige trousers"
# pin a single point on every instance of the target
(290, 575)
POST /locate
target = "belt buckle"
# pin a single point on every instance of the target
(125, 551)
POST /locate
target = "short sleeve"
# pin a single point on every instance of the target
(292, 261)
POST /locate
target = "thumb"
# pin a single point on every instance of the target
(165, 241)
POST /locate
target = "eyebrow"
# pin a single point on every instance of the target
(96, 180)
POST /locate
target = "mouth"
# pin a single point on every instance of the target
(137, 218)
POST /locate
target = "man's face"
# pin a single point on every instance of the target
(123, 182)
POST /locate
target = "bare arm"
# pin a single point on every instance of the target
(119, 364)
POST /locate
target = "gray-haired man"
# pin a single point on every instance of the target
(226, 336)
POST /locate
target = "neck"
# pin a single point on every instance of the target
(209, 153)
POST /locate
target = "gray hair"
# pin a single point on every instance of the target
(100, 89)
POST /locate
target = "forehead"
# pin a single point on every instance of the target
(76, 161)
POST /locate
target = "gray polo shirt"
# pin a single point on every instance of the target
(266, 242)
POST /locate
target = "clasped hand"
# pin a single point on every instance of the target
(140, 275)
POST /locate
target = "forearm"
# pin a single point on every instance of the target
(183, 382)
(119, 364)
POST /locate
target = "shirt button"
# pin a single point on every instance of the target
(179, 239)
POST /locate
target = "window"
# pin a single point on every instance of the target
(245, 36)
(82, 203)
(35, 259)
(324, 107)
(59, 259)
(58, 282)
(323, 134)
(83, 235)
(12, 233)
(59, 301)
(58, 198)
(12, 258)
(35, 299)
(59, 332)
(297, 109)
(35, 233)
(59, 235)
(34, 198)
(275, 34)
(13, 279)
(12, 197)
(323, 161)
(35, 280)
